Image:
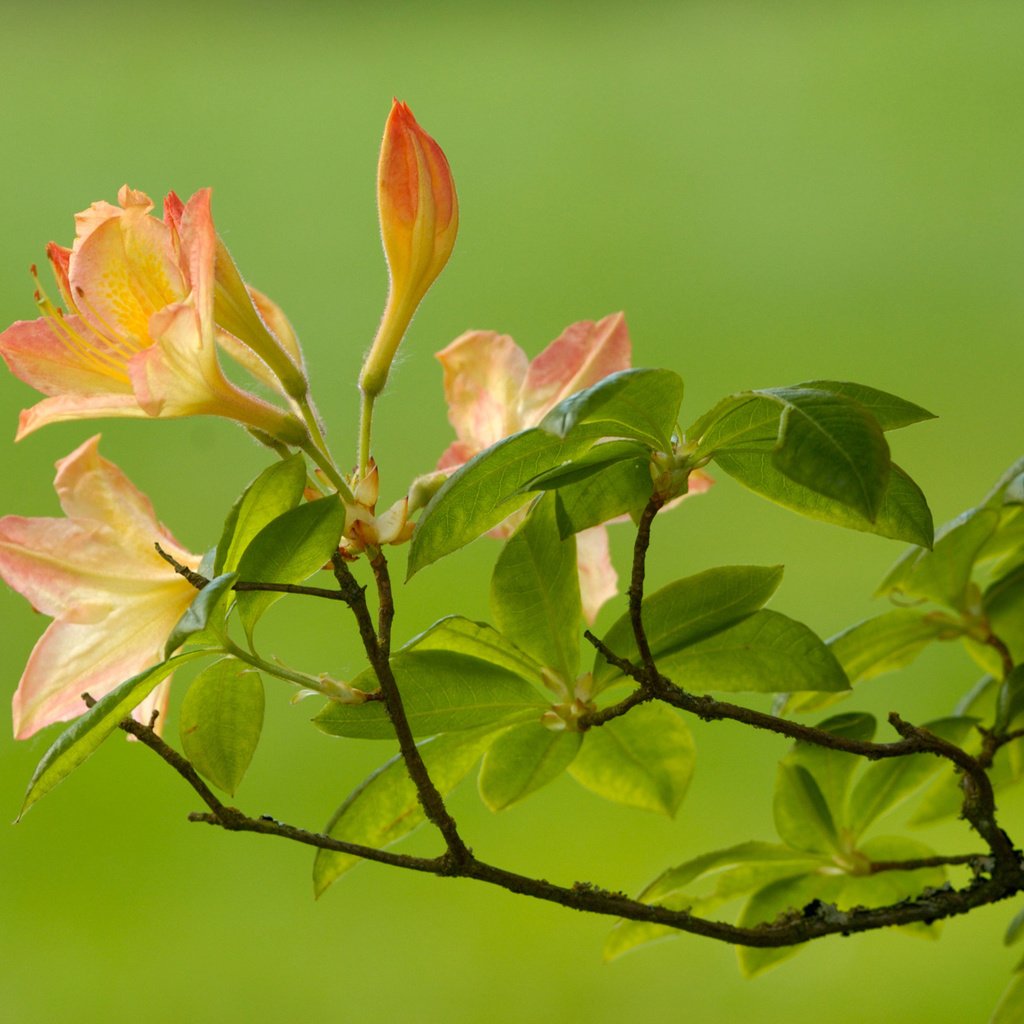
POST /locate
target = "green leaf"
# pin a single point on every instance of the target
(1015, 929)
(522, 760)
(486, 490)
(785, 895)
(902, 515)
(1011, 697)
(73, 746)
(288, 549)
(385, 807)
(765, 653)
(535, 592)
(276, 490)
(205, 619)
(1010, 1008)
(738, 870)
(689, 610)
(738, 421)
(442, 691)
(621, 489)
(221, 721)
(1003, 604)
(833, 769)
(641, 404)
(802, 817)
(596, 460)
(943, 573)
(890, 411)
(642, 759)
(832, 446)
(479, 640)
(886, 784)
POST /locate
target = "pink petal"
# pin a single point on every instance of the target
(62, 408)
(584, 354)
(483, 372)
(598, 580)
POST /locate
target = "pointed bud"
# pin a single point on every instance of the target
(419, 218)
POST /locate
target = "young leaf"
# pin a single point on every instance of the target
(522, 760)
(622, 488)
(833, 769)
(385, 807)
(788, 894)
(643, 759)
(479, 640)
(276, 490)
(486, 490)
(288, 549)
(640, 404)
(221, 721)
(73, 746)
(535, 592)
(902, 515)
(832, 446)
(442, 691)
(889, 411)
(943, 573)
(205, 619)
(802, 817)
(598, 459)
(689, 610)
(737, 422)
(764, 653)
(886, 784)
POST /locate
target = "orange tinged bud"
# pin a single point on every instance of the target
(419, 218)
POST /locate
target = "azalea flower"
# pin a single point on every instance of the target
(364, 527)
(493, 390)
(113, 599)
(140, 334)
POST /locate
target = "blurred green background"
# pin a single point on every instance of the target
(772, 193)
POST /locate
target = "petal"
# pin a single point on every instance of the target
(274, 317)
(584, 354)
(483, 372)
(598, 580)
(62, 408)
(71, 659)
(41, 354)
(59, 258)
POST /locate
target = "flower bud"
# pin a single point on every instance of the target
(419, 218)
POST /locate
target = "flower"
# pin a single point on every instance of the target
(419, 219)
(114, 600)
(493, 390)
(140, 334)
(363, 527)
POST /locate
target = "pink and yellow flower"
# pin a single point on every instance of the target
(493, 390)
(141, 330)
(113, 599)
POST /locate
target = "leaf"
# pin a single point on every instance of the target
(765, 653)
(596, 460)
(486, 490)
(833, 769)
(535, 592)
(738, 871)
(522, 760)
(834, 447)
(221, 721)
(442, 692)
(738, 421)
(902, 515)
(73, 746)
(385, 807)
(689, 610)
(1003, 604)
(642, 759)
(288, 549)
(641, 404)
(621, 489)
(479, 640)
(888, 783)
(205, 619)
(943, 573)
(788, 895)
(1010, 1008)
(802, 817)
(276, 490)
(1015, 929)
(890, 411)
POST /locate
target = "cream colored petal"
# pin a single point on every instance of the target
(583, 354)
(63, 408)
(599, 581)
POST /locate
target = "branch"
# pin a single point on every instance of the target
(636, 582)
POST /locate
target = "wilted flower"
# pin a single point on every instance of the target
(419, 218)
(493, 390)
(113, 598)
(140, 334)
